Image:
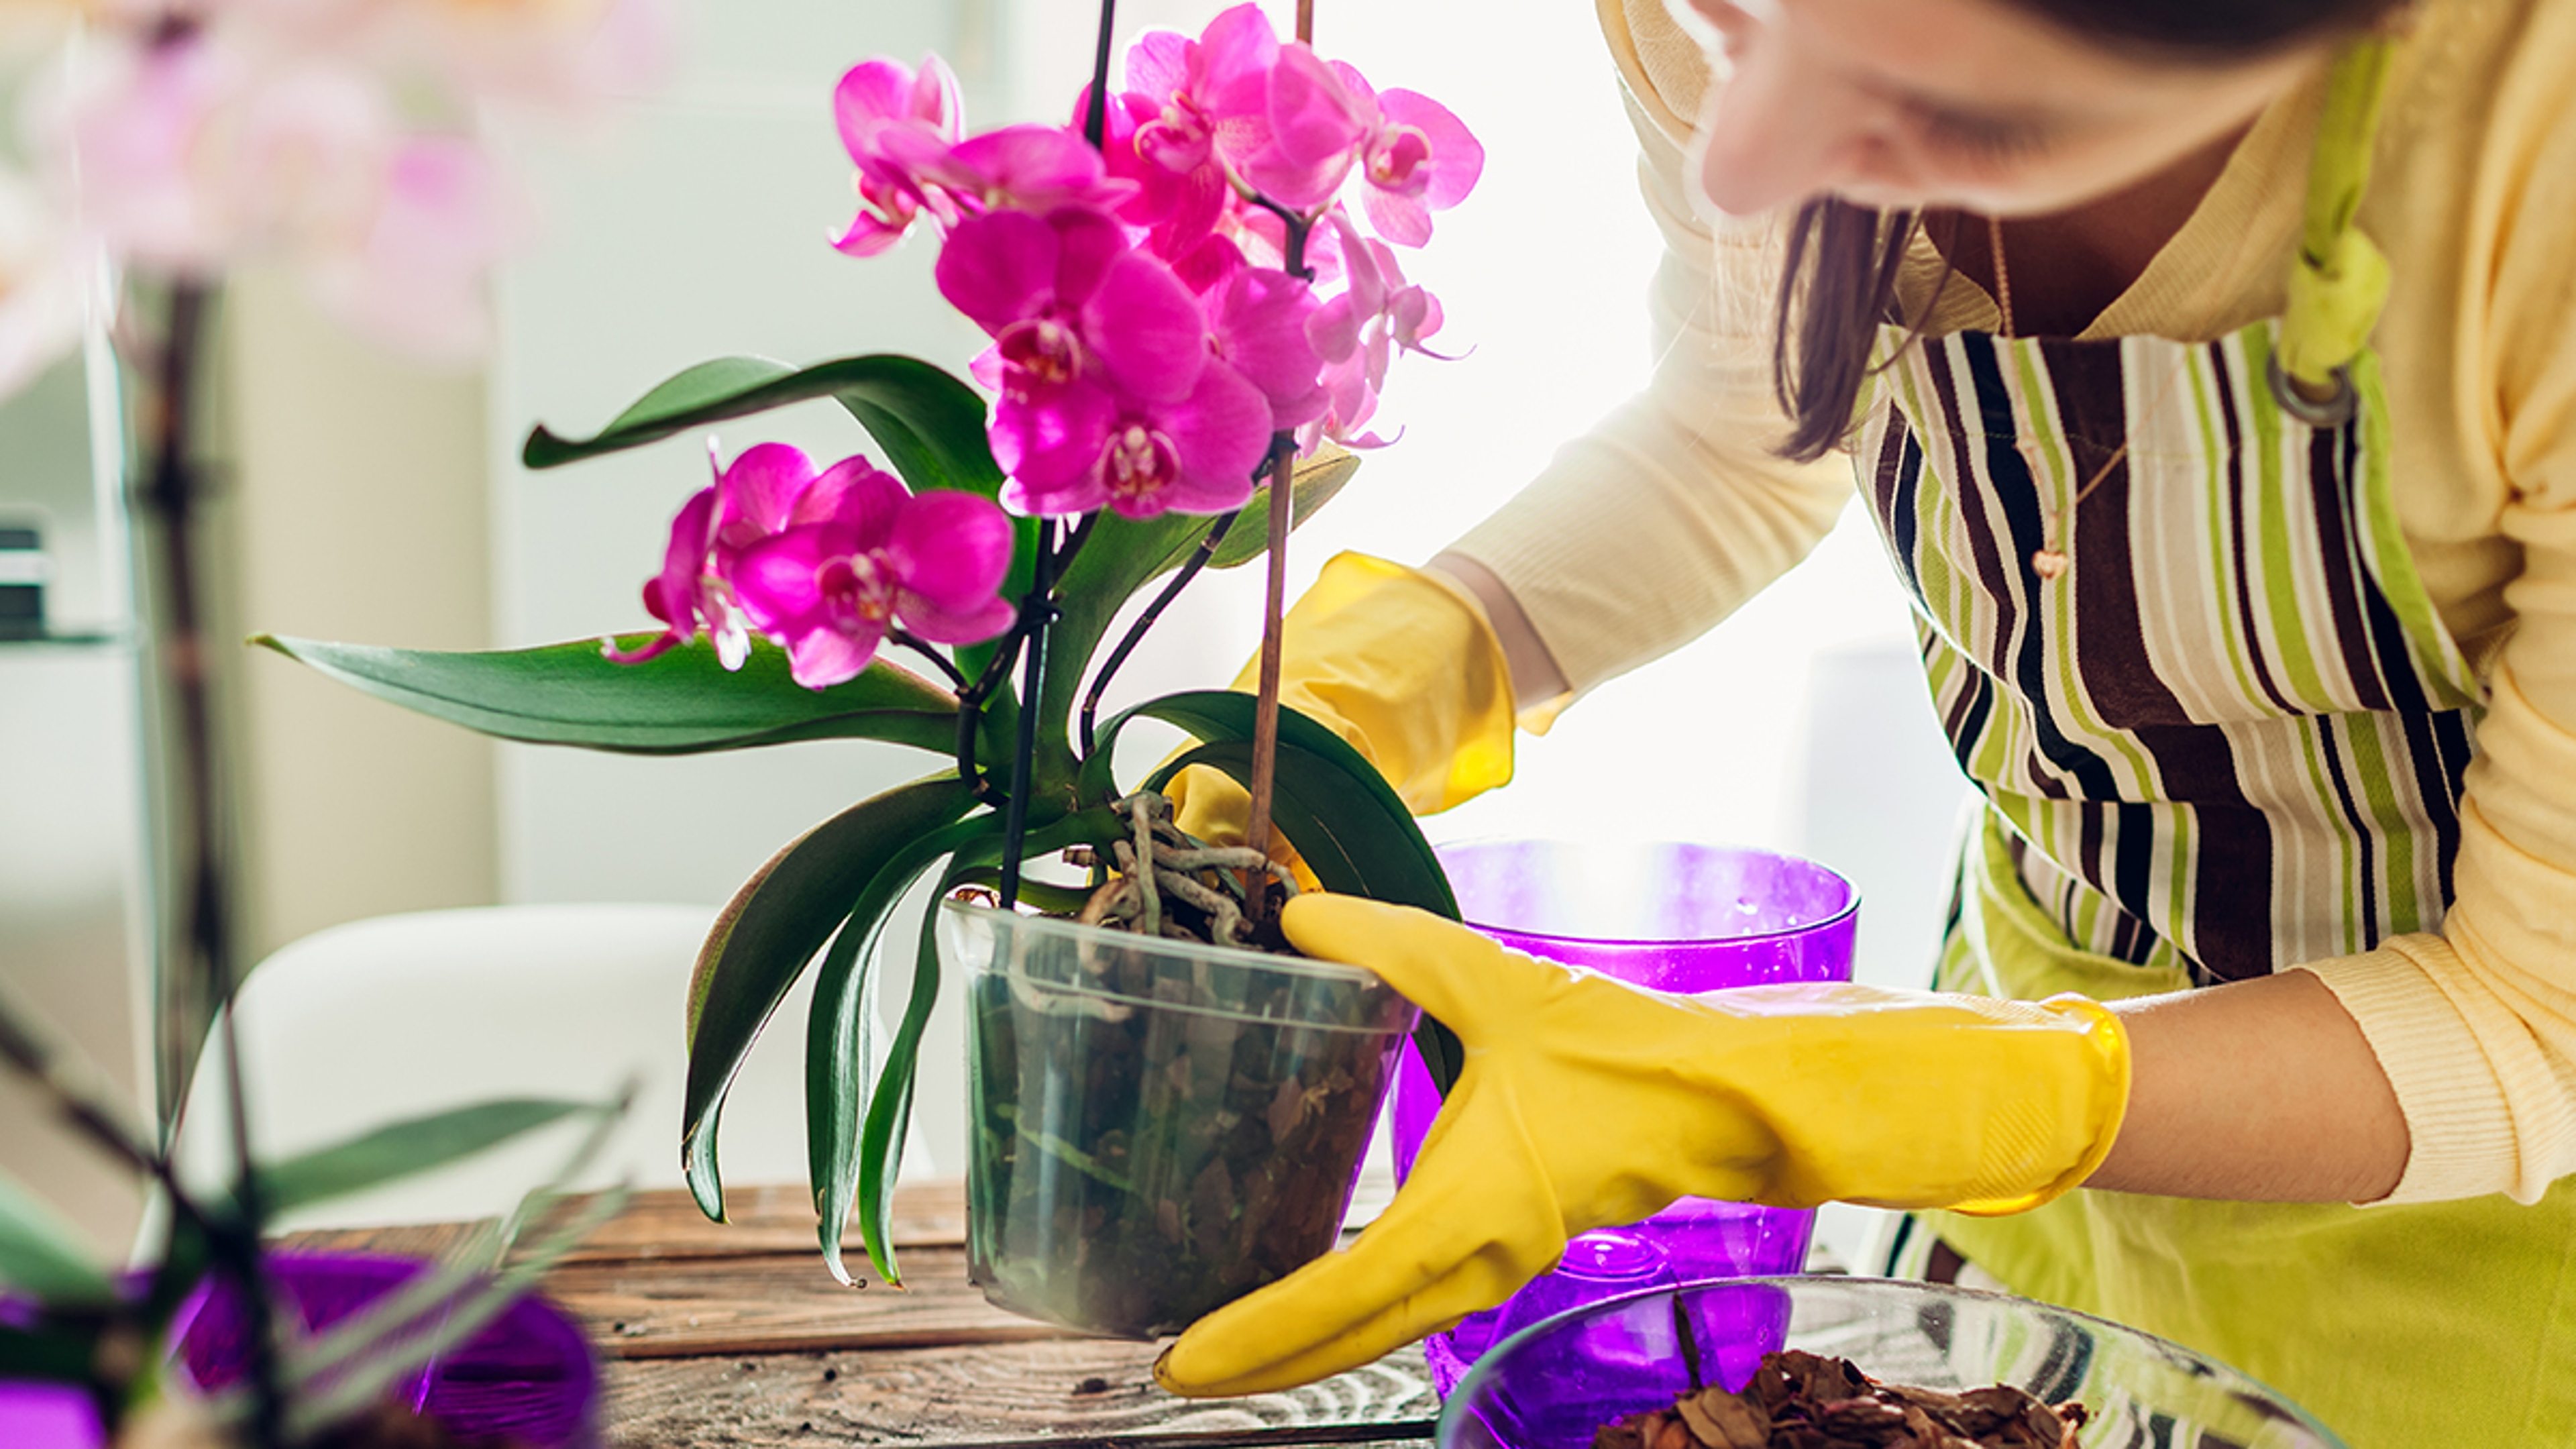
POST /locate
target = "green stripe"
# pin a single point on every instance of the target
(2445, 670)
(2402, 908)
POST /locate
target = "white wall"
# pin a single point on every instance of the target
(700, 229)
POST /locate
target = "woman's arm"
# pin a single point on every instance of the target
(1535, 678)
(2257, 1091)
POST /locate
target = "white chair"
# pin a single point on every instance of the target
(405, 1015)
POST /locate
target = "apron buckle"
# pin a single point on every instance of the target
(2332, 411)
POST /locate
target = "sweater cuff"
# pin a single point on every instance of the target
(2459, 1124)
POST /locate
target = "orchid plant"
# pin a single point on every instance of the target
(1193, 295)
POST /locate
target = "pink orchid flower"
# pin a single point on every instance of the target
(1257, 321)
(767, 490)
(830, 590)
(1198, 454)
(1358, 332)
(881, 98)
(1208, 98)
(1417, 158)
(1111, 392)
(686, 593)
(1019, 168)
(1177, 207)
(1317, 125)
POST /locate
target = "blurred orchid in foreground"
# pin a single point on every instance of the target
(332, 135)
(41, 279)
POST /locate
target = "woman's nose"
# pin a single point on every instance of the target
(1775, 132)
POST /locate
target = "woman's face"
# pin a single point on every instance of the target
(1954, 103)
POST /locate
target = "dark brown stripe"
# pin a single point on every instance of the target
(2010, 492)
(2195, 764)
(2340, 568)
(1892, 490)
(1977, 521)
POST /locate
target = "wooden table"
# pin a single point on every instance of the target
(735, 1335)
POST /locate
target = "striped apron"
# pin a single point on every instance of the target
(2228, 738)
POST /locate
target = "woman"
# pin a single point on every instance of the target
(2210, 370)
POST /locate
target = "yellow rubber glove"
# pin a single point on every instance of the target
(1399, 662)
(1586, 1102)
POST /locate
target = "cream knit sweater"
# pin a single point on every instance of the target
(1658, 523)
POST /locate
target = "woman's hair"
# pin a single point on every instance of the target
(1839, 284)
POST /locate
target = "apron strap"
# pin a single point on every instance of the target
(2340, 281)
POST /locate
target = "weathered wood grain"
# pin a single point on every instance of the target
(774, 1218)
(778, 1303)
(735, 1336)
(1064, 1392)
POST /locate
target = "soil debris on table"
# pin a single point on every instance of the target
(1808, 1401)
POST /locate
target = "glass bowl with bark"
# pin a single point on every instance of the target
(1570, 1381)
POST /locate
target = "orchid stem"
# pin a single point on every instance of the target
(1015, 811)
(1265, 715)
(1306, 22)
(171, 491)
(970, 715)
(909, 640)
(1095, 116)
(1135, 634)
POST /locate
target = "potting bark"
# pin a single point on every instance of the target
(1809, 1401)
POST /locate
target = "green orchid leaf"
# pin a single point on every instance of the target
(43, 1255)
(1357, 834)
(889, 1115)
(696, 392)
(766, 934)
(684, 702)
(1123, 555)
(1342, 816)
(48, 1354)
(1312, 482)
(930, 424)
(400, 1149)
(842, 1022)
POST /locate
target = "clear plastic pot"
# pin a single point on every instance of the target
(1159, 1127)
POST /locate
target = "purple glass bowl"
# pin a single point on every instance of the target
(1551, 1385)
(1675, 917)
(527, 1376)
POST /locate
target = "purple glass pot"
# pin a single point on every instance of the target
(1550, 1386)
(527, 1376)
(1682, 918)
(47, 1416)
